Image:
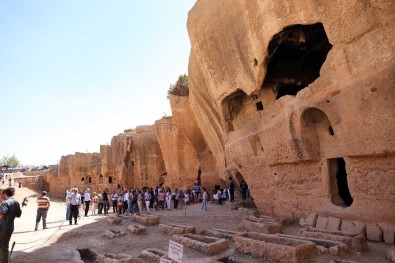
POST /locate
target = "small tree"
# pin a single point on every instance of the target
(10, 161)
(180, 88)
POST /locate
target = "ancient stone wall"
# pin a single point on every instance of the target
(295, 97)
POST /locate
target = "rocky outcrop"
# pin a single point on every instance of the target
(185, 121)
(294, 97)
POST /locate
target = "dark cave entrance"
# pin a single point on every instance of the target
(341, 195)
(296, 55)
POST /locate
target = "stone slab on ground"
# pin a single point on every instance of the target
(266, 225)
(222, 233)
(322, 223)
(136, 229)
(353, 227)
(177, 229)
(333, 223)
(205, 244)
(280, 249)
(388, 233)
(152, 255)
(113, 220)
(147, 220)
(310, 220)
(110, 233)
(331, 247)
(113, 258)
(374, 232)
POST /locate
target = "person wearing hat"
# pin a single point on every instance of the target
(42, 209)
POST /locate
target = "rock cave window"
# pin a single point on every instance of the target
(295, 57)
(89, 180)
(340, 193)
(259, 106)
(82, 179)
(110, 181)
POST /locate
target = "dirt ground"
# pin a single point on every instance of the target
(60, 241)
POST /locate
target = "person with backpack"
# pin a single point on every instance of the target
(9, 209)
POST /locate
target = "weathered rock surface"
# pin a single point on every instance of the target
(291, 93)
(293, 97)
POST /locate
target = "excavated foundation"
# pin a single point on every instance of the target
(136, 229)
(152, 255)
(267, 225)
(280, 249)
(205, 244)
(222, 233)
(147, 220)
(177, 229)
(324, 246)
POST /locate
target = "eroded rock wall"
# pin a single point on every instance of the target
(295, 98)
(185, 121)
(179, 155)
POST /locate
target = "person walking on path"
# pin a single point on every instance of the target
(87, 199)
(204, 201)
(106, 203)
(43, 205)
(74, 201)
(9, 209)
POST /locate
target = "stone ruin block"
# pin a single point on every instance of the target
(324, 246)
(280, 249)
(153, 255)
(136, 229)
(177, 229)
(356, 242)
(391, 254)
(248, 211)
(310, 220)
(374, 233)
(222, 233)
(322, 223)
(388, 233)
(113, 258)
(267, 225)
(334, 223)
(113, 220)
(110, 233)
(89, 255)
(205, 244)
(246, 204)
(147, 220)
(353, 227)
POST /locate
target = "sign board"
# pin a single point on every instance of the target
(175, 251)
(162, 260)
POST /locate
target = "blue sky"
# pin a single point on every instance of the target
(75, 73)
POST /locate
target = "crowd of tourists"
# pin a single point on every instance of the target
(135, 200)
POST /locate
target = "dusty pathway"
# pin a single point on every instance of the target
(60, 241)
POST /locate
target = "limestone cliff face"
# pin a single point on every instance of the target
(186, 124)
(295, 98)
(80, 170)
(179, 155)
(146, 157)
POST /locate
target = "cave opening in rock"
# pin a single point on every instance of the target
(110, 179)
(295, 57)
(259, 106)
(341, 195)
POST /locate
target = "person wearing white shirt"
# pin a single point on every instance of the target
(87, 199)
